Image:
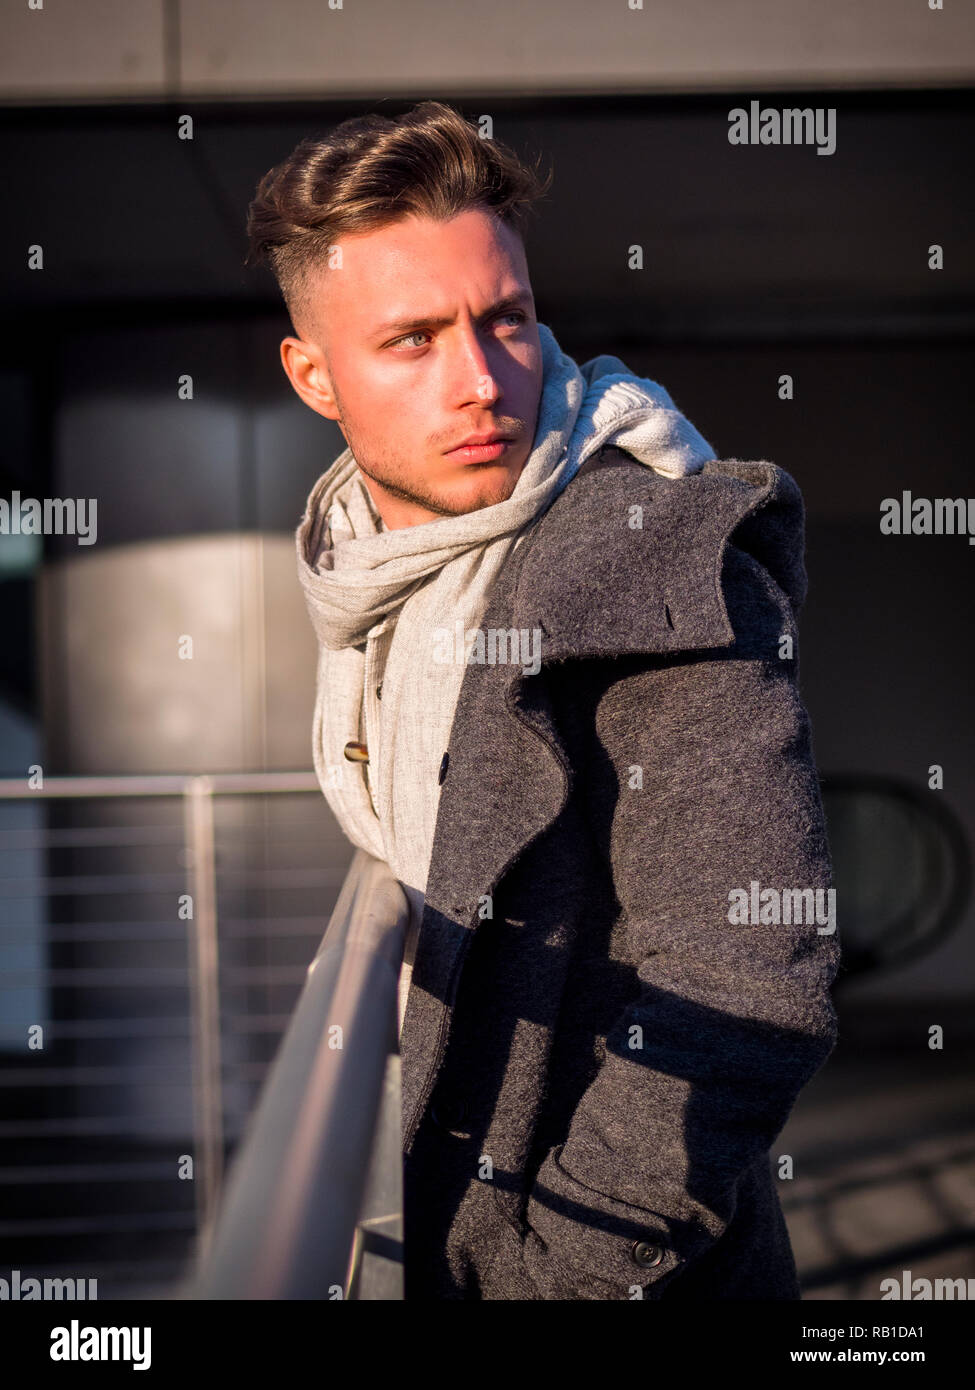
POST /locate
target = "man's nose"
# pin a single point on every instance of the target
(474, 382)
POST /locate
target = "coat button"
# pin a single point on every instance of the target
(379, 691)
(357, 752)
(647, 1255)
(443, 767)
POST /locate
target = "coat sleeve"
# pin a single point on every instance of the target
(699, 781)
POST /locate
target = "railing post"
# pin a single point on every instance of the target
(204, 1004)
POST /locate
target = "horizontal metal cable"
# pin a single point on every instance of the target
(164, 1026)
(99, 1225)
(118, 1126)
(37, 885)
(158, 1075)
(144, 977)
(148, 1171)
(12, 933)
(159, 784)
(121, 837)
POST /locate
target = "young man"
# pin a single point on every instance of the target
(557, 693)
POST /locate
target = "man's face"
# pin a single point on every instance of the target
(424, 335)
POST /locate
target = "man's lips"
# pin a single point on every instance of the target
(481, 448)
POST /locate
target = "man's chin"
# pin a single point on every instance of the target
(482, 485)
(480, 493)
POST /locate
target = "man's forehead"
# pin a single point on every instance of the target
(383, 288)
(405, 318)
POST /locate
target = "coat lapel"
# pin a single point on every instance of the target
(653, 587)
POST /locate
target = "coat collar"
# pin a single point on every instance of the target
(648, 578)
(596, 584)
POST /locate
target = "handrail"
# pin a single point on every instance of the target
(287, 1225)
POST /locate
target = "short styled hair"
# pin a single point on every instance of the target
(372, 171)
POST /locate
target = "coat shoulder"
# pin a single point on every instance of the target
(639, 533)
(755, 505)
(626, 559)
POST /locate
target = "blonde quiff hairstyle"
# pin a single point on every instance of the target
(372, 171)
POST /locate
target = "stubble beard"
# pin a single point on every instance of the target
(436, 502)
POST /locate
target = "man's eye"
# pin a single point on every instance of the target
(517, 314)
(417, 334)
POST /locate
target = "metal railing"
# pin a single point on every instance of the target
(68, 952)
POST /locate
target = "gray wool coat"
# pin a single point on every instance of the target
(596, 1063)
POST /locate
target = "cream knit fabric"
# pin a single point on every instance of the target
(400, 609)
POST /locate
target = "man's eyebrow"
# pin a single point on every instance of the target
(510, 301)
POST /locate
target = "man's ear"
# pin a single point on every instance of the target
(305, 367)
